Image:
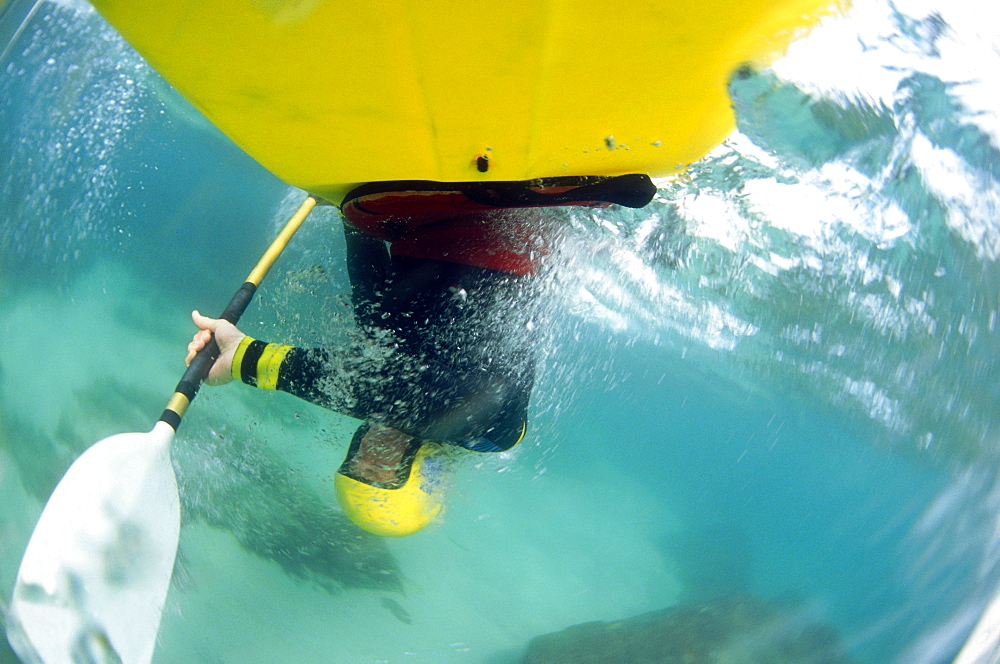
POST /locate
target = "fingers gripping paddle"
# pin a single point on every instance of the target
(95, 575)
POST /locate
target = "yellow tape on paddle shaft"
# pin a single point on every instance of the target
(178, 404)
(328, 94)
(266, 261)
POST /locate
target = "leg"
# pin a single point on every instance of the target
(377, 451)
(367, 268)
(468, 333)
(461, 372)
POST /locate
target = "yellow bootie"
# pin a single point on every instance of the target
(396, 512)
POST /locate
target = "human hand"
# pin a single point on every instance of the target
(228, 338)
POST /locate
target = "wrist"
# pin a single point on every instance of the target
(235, 369)
(258, 363)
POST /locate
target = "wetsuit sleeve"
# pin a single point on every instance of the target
(480, 410)
(302, 372)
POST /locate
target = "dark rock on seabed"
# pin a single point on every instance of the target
(739, 629)
(233, 483)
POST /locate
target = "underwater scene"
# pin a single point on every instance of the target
(766, 416)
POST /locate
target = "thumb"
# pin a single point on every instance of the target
(204, 322)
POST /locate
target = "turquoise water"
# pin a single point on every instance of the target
(779, 380)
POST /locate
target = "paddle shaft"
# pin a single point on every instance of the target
(198, 370)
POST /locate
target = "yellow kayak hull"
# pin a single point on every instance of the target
(328, 94)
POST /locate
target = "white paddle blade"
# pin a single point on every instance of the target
(95, 575)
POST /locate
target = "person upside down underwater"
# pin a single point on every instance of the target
(444, 296)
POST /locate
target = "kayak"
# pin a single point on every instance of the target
(331, 94)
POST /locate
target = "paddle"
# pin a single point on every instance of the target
(95, 575)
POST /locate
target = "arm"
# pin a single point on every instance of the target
(428, 396)
(299, 371)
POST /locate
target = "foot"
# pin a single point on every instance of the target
(391, 484)
(378, 460)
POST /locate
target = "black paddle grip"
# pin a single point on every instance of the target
(198, 370)
(202, 363)
(239, 303)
